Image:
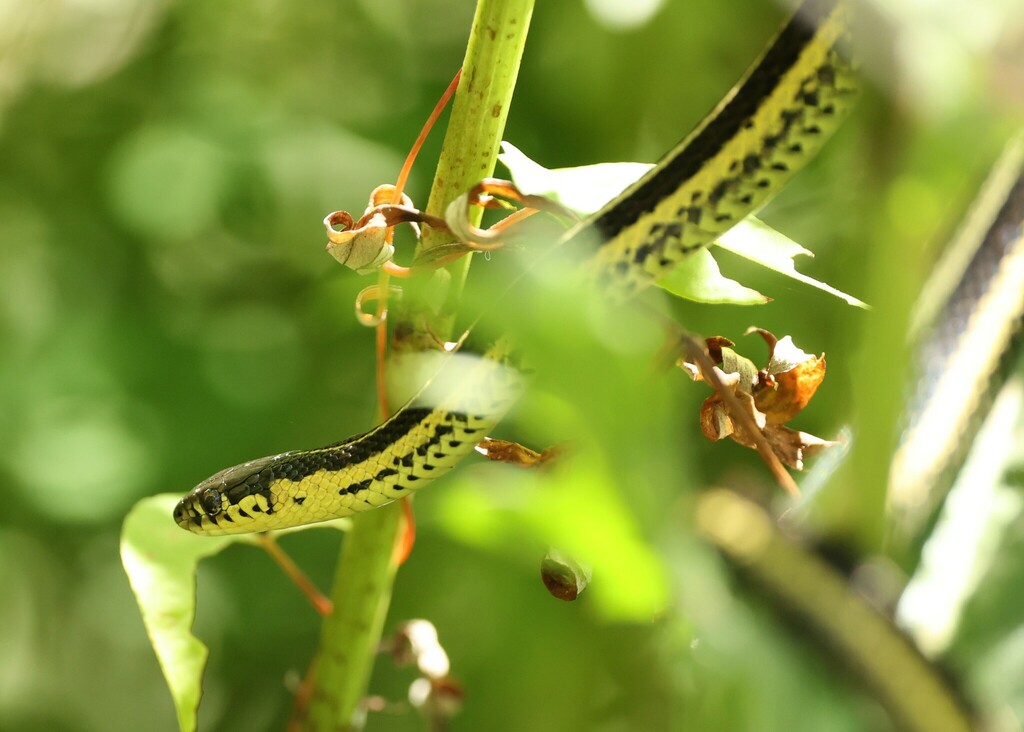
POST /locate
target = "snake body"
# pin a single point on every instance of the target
(968, 331)
(975, 315)
(768, 126)
(419, 443)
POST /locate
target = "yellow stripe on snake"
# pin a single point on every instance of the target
(765, 129)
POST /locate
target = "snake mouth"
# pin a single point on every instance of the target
(190, 515)
(187, 517)
(181, 515)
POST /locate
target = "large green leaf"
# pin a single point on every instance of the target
(587, 188)
(754, 240)
(584, 189)
(581, 511)
(698, 278)
(161, 561)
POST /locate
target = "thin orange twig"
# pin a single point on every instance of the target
(300, 705)
(381, 334)
(408, 534)
(391, 268)
(316, 598)
(403, 174)
(513, 218)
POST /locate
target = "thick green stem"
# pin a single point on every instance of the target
(366, 569)
(468, 155)
(351, 634)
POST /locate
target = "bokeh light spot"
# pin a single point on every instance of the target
(913, 207)
(81, 460)
(166, 183)
(28, 306)
(622, 16)
(327, 169)
(252, 354)
(23, 561)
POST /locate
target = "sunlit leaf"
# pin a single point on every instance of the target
(587, 188)
(580, 510)
(754, 240)
(698, 278)
(596, 527)
(161, 561)
(584, 189)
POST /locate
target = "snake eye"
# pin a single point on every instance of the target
(210, 501)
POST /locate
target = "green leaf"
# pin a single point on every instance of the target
(754, 240)
(582, 511)
(161, 561)
(584, 189)
(698, 278)
(589, 187)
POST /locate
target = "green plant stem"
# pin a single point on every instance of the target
(351, 634)
(468, 155)
(366, 568)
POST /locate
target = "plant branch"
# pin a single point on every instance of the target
(366, 569)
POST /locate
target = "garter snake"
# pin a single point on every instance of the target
(765, 129)
(968, 329)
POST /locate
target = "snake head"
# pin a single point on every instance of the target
(225, 503)
(198, 510)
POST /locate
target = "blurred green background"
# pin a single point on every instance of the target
(167, 309)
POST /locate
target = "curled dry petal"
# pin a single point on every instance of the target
(494, 193)
(768, 336)
(792, 446)
(360, 245)
(363, 245)
(563, 576)
(512, 453)
(715, 344)
(788, 392)
(768, 397)
(785, 357)
(717, 420)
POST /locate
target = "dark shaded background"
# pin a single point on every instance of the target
(166, 309)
